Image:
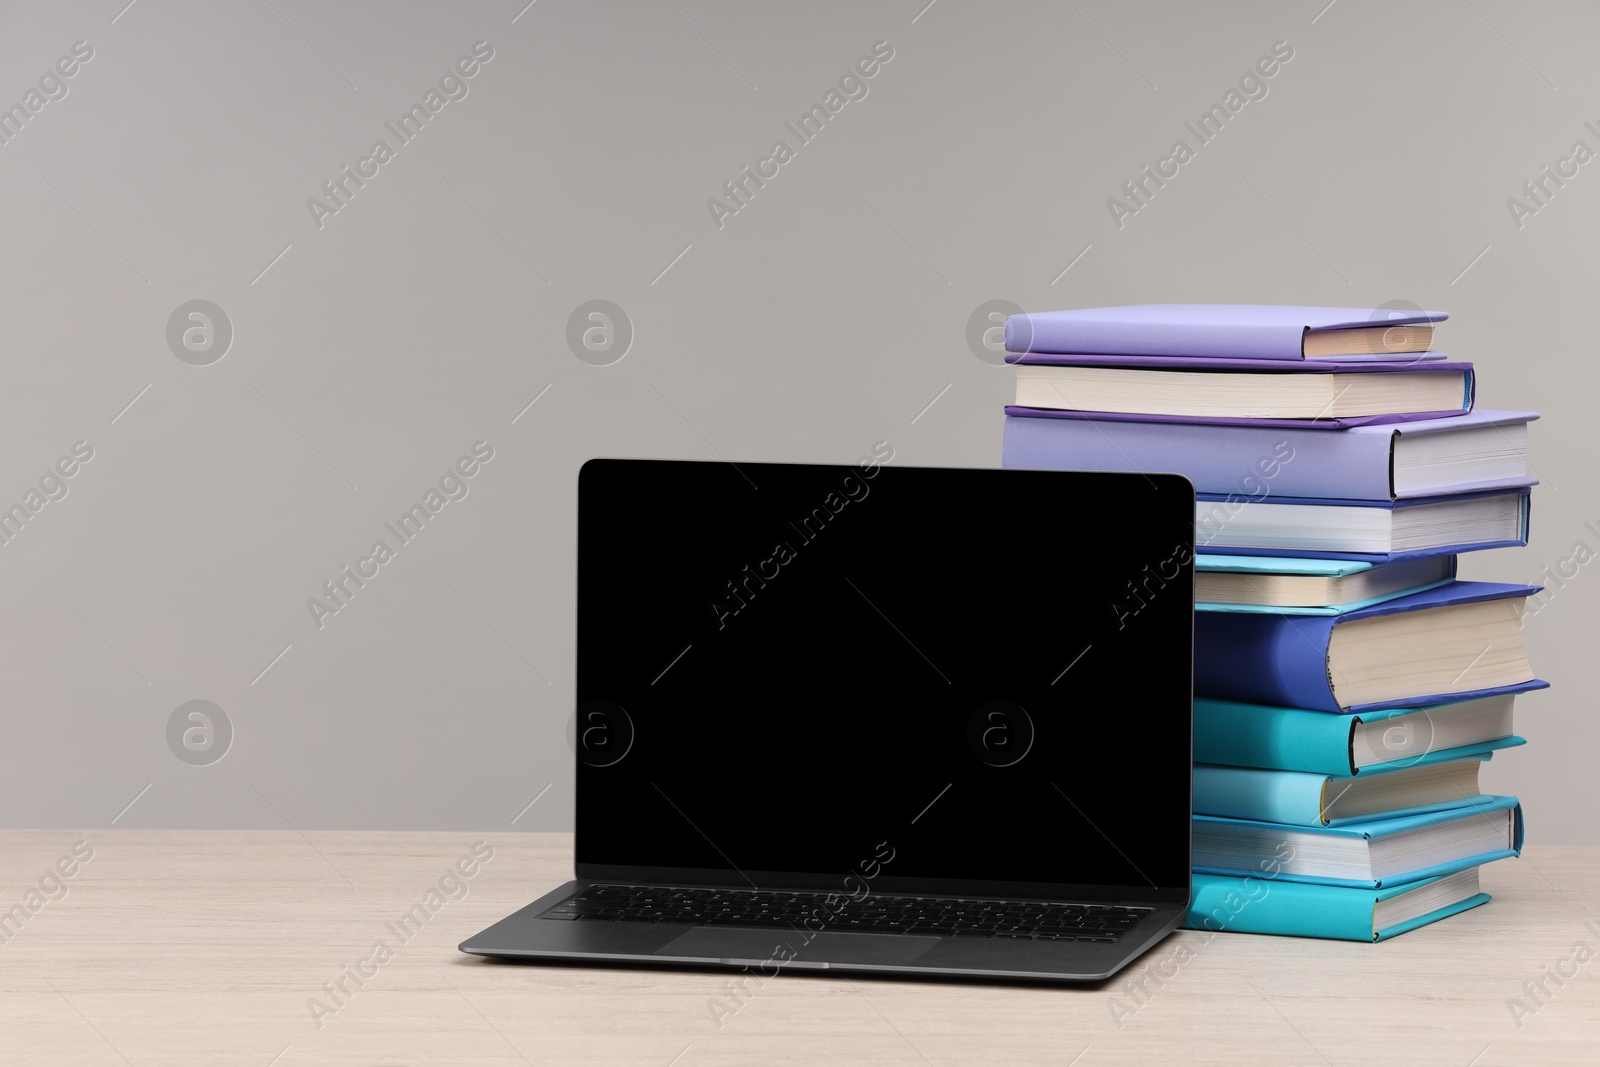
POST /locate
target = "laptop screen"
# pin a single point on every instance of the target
(913, 679)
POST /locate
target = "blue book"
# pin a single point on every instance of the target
(1452, 643)
(1257, 905)
(1467, 452)
(1374, 854)
(1432, 782)
(1372, 530)
(1295, 739)
(1310, 586)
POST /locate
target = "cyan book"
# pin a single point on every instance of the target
(1311, 586)
(1261, 905)
(1432, 782)
(1319, 742)
(1374, 854)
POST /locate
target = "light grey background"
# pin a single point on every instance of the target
(827, 314)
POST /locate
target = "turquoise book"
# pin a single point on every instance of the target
(1259, 905)
(1374, 854)
(1281, 585)
(1321, 742)
(1429, 783)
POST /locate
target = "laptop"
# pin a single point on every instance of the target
(876, 720)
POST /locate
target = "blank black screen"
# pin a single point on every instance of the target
(943, 679)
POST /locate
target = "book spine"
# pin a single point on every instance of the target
(1071, 333)
(1263, 905)
(1289, 797)
(1285, 739)
(1276, 660)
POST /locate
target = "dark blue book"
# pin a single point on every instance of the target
(1450, 643)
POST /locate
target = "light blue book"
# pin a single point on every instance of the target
(1298, 798)
(1287, 586)
(1321, 742)
(1258, 905)
(1372, 854)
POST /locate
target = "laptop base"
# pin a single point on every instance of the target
(769, 951)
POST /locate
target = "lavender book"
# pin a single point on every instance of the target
(1228, 331)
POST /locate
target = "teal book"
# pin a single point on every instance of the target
(1283, 585)
(1258, 905)
(1320, 742)
(1374, 854)
(1300, 798)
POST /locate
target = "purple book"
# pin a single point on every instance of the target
(1210, 331)
(1250, 524)
(1246, 367)
(1469, 452)
(1201, 420)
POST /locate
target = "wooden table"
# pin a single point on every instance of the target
(178, 947)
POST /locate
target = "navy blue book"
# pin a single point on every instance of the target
(1445, 644)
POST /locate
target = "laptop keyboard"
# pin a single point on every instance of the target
(934, 916)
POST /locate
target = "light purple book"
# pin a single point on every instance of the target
(1253, 460)
(1212, 331)
(1238, 366)
(1218, 529)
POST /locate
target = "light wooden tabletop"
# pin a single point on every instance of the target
(177, 947)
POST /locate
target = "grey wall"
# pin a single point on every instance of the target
(371, 351)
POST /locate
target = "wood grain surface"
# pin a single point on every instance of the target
(213, 947)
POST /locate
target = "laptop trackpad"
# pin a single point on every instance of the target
(753, 946)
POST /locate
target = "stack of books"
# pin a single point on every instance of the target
(1348, 686)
